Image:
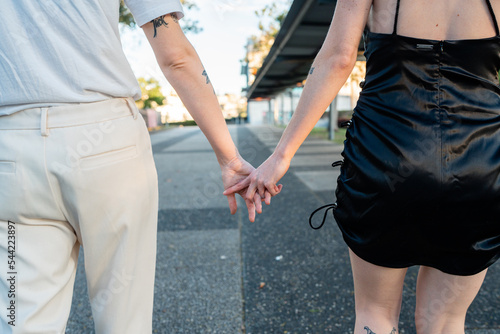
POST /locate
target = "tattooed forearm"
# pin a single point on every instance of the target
(369, 331)
(312, 70)
(205, 74)
(158, 22)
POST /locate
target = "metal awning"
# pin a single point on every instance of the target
(296, 45)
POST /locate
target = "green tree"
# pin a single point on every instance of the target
(152, 96)
(188, 25)
(271, 18)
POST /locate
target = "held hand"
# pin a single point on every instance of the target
(261, 183)
(233, 173)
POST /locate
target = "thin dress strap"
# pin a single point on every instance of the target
(492, 12)
(395, 31)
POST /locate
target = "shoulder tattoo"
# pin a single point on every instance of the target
(158, 22)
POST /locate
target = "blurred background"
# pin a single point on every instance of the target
(257, 53)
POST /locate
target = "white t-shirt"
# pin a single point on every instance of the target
(56, 52)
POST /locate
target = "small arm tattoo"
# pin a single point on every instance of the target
(205, 74)
(369, 331)
(158, 22)
(312, 70)
(175, 18)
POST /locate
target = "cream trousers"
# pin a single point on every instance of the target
(71, 176)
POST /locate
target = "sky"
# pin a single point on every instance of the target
(227, 24)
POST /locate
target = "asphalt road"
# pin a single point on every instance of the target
(218, 273)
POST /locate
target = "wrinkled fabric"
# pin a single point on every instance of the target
(420, 182)
(59, 52)
(77, 176)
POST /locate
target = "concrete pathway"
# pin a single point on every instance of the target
(218, 273)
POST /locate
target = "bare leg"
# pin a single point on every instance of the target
(378, 294)
(443, 300)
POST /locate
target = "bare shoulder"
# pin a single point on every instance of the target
(496, 7)
(352, 11)
(354, 5)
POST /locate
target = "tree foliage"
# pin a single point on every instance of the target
(187, 24)
(152, 96)
(271, 18)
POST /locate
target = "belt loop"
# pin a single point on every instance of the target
(133, 107)
(43, 124)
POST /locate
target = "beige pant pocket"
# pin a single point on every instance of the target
(108, 158)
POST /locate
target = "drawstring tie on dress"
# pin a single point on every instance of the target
(331, 206)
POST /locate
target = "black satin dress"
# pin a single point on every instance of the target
(420, 180)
